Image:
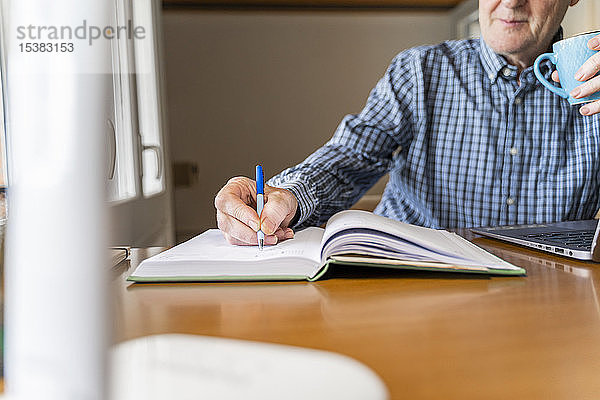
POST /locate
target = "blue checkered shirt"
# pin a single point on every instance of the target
(464, 143)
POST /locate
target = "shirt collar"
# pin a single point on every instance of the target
(495, 64)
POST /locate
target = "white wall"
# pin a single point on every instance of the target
(249, 87)
(583, 17)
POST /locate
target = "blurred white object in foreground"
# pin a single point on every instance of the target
(56, 316)
(178, 367)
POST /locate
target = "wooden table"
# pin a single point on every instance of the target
(429, 336)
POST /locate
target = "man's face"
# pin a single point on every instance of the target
(521, 28)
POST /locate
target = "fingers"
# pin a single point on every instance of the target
(555, 76)
(284, 234)
(273, 215)
(587, 88)
(269, 240)
(594, 43)
(591, 83)
(279, 209)
(234, 199)
(240, 234)
(236, 229)
(590, 108)
(237, 217)
(589, 68)
(289, 233)
(231, 240)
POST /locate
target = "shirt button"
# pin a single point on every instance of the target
(518, 101)
(506, 71)
(510, 201)
(513, 151)
(492, 77)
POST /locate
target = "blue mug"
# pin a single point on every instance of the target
(568, 55)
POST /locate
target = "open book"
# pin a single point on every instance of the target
(350, 238)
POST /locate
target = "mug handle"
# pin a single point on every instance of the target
(536, 69)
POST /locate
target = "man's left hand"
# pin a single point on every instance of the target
(590, 86)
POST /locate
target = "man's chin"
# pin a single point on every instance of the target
(507, 49)
(507, 43)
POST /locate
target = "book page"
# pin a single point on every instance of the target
(425, 237)
(210, 255)
(211, 245)
(474, 252)
(430, 244)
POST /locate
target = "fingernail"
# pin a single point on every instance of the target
(575, 92)
(594, 43)
(267, 227)
(585, 110)
(579, 75)
(289, 234)
(271, 239)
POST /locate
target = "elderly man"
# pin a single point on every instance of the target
(467, 133)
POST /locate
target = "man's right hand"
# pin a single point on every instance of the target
(237, 217)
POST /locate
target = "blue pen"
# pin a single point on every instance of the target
(260, 202)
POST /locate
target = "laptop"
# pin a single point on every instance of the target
(574, 239)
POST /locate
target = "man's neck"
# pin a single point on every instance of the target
(527, 58)
(521, 62)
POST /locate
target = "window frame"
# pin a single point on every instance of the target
(150, 114)
(318, 4)
(141, 220)
(4, 171)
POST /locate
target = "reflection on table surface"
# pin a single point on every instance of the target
(428, 335)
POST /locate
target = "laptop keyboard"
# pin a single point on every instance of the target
(574, 239)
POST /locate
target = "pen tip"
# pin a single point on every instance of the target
(261, 244)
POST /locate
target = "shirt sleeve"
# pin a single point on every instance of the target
(594, 128)
(335, 176)
(594, 124)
